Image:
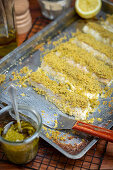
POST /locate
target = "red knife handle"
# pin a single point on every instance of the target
(94, 130)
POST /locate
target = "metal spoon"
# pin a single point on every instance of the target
(12, 94)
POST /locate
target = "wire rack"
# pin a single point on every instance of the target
(39, 23)
(48, 158)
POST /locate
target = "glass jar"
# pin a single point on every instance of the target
(53, 8)
(7, 27)
(21, 152)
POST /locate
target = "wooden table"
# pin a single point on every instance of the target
(107, 160)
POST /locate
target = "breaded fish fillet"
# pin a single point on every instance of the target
(99, 33)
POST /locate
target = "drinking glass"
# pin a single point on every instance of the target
(51, 9)
(7, 27)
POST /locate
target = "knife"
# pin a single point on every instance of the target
(62, 123)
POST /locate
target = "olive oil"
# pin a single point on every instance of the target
(20, 152)
(7, 44)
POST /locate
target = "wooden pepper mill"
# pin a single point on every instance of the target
(22, 16)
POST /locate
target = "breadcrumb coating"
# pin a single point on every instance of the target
(85, 80)
(58, 93)
(97, 45)
(2, 78)
(99, 33)
(110, 19)
(84, 58)
(74, 99)
(101, 30)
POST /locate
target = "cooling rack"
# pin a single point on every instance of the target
(48, 158)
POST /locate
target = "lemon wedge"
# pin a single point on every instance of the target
(87, 8)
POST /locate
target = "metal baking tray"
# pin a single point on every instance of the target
(28, 54)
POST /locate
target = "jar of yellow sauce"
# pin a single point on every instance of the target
(20, 148)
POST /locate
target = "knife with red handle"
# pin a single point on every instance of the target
(64, 122)
(94, 130)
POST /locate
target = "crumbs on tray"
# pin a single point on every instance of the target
(2, 78)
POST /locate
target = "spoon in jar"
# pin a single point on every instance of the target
(12, 94)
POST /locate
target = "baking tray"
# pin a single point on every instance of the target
(73, 145)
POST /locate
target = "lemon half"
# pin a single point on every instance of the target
(87, 8)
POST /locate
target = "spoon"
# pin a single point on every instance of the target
(12, 94)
